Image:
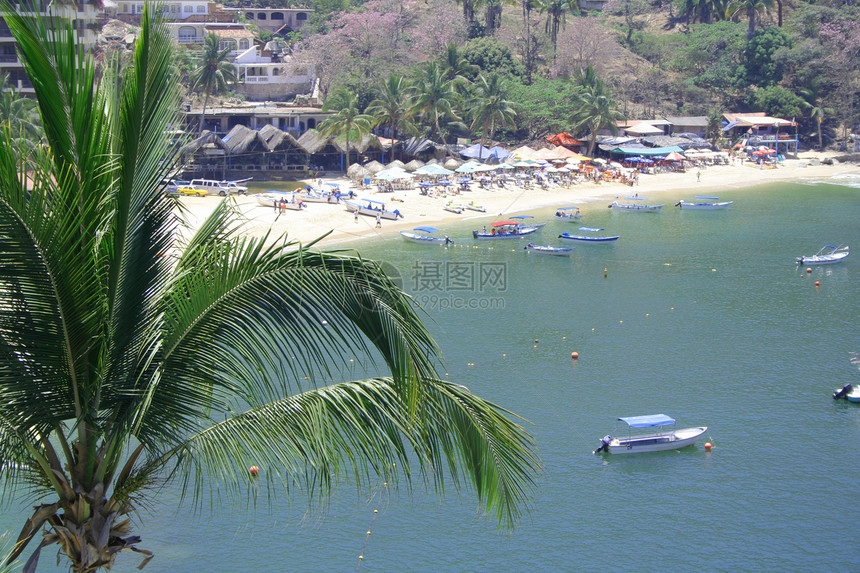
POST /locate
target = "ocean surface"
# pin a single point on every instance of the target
(703, 316)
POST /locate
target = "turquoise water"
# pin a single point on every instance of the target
(703, 316)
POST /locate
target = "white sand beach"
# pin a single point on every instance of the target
(319, 218)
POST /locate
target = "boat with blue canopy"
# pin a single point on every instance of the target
(634, 206)
(704, 203)
(828, 254)
(523, 221)
(659, 441)
(569, 214)
(425, 236)
(549, 250)
(504, 230)
(588, 238)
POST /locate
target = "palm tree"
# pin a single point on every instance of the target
(348, 121)
(456, 67)
(752, 8)
(392, 106)
(556, 11)
(131, 355)
(490, 108)
(434, 97)
(214, 71)
(813, 104)
(595, 108)
(18, 114)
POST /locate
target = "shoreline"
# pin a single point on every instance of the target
(418, 210)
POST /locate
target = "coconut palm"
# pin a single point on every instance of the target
(813, 104)
(348, 122)
(434, 98)
(556, 10)
(214, 72)
(392, 106)
(490, 107)
(595, 108)
(752, 8)
(131, 356)
(457, 68)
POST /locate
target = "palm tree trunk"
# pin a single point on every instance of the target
(592, 141)
(820, 145)
(751, 15)
(203, 113)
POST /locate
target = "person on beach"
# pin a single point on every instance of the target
(698, 176)
(356, 216)
(378, 220)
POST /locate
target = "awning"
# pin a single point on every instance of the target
(647, 151)
(648, 421)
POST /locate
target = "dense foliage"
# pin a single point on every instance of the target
(655, 57)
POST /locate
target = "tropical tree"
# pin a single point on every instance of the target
(752, 8)
(392, 106)
(813, 105)
(594, 107)
(556, 10)
(491, 109)
(18, 114)
(130, 355)
(214, 72)
(456, 67)
(348, 122)
(434, 97)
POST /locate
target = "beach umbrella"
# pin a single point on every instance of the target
(397, 163)
(464, 180)
(433, 169)
(357, 172)
(413, 165)
(432, 161)
(674, 156)
(452, 163)
(393, 174)
(374, 166)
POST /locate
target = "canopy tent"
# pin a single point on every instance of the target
(393, 174)
(548, 154)
(520, 153)
(643, 128)
(476, 151)
(674, 156)
(646, 151)
(468, 167)
(564, 138)
(499, 152)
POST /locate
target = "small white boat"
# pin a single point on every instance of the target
(426, 236)
(658, 441)
(472, 207)
(569, 214)
(312, 195)
(453, 207)
(635, 207)
(588, 238)
(825, 256)
(548, 250)
(280, 200)
(371, 209)
(706, 204)
(848, 392)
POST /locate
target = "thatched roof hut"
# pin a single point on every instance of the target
(278, 140)
(452, 163)
(242, 139)
(413, 165)
(207, 139)
(397, 163)
(374, 167)
(312, 141)
(357, 172)
(367, 140)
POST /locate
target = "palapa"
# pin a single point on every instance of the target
(397, 163)
(413, 165)
(207, 138)
(374, 166)
(452, 163)
(357, 172)
(278, 139)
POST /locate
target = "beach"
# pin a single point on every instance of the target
(318, 219)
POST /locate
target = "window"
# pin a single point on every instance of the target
(201, 9)
(249, 15)
(277, 16)
(244, 44)
(188, 9)
(261, 16)
(301, 16)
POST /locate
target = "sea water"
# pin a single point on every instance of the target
(703, 316)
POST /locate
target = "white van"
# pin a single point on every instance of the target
(222, 188)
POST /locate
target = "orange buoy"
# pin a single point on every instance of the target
(574, 355)
(708, 446)
(817, 283)
(809, 269)
(254, 470)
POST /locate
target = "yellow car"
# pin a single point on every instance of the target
(194, 192)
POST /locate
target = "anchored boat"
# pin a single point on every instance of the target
(504, 230)
(659, 441)
(825, 256)
(371, 208)
(425, 236)
(706, 204)
(588, 238)
(549, 250)
(569, 214)
(635, 207)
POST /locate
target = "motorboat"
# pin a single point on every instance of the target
(472, 207)
(280, 200)
(371, 208)
(453, 207)
(569, 214)
(549, 250)
(635, 207)
(847, 392)
(658, 441)
(705, 203)
(504, 230)
(523, 221)
(826, 256)
(588, 238)
(313, 195)
(425, 236)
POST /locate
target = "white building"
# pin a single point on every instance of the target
(180, 10)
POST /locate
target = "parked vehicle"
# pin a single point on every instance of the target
(222, 188)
